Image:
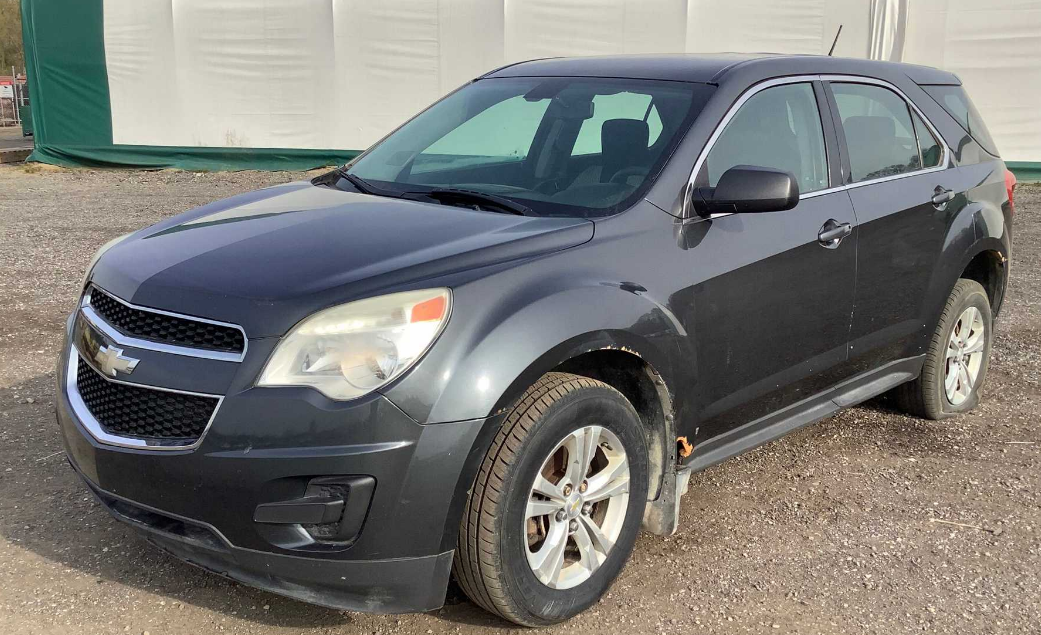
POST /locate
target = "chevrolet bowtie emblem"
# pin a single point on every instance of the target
(111, 360)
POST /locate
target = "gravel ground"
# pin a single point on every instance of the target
(830, 530)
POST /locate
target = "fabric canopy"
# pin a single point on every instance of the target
(300, 83)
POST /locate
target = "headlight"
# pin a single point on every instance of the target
(97, 256)
(352, 349)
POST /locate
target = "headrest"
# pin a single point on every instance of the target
(624, 137)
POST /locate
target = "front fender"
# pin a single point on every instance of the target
(497, 344)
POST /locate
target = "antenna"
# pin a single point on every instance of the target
(835, 41)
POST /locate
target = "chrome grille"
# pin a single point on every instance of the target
(164, 328)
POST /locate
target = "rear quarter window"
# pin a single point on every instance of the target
(956, 102)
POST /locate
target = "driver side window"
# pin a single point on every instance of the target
(780, 128)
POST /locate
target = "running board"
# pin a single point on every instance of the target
(810, 410)
(662, 516)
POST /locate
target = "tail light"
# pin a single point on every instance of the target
(1010, 187)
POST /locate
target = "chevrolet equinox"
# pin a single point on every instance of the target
(494, 346)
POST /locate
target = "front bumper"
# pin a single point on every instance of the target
(380, 586)
(267, 445)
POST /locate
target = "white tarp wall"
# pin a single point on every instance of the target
(995, 48)
(341, 73)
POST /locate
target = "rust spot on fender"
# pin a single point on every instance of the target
(624, 349)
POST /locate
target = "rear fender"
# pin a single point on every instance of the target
(980, 226)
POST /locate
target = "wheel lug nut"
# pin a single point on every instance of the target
(567, 490)
(572, 526)
(583, 487)
(587, 509)
(561, 515)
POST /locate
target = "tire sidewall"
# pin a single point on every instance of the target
(594, 406)
(974, 296)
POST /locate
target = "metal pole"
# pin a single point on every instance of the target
(14, 96)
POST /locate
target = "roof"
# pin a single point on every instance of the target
(714, 68)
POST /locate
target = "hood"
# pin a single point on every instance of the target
(269, 258)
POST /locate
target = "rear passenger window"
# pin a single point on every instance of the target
(930, 147)
(780, 128)
(880, 137)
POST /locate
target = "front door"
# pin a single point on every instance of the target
(770, 309)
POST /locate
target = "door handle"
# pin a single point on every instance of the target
(941, 197)
(832, 233)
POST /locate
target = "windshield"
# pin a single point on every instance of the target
(571, 146)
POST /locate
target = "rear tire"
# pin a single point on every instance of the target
(957, 358)
(509, 525)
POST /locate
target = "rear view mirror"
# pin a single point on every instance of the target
(749, 189)
(575, 110)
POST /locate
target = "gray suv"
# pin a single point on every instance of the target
(496, 345)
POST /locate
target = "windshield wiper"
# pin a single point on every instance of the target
(477, 199)
(443, 195)
(361, 184)
(365, 187)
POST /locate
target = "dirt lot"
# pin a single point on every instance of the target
(830, 530)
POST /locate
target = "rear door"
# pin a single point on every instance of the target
(905, 198)
(770, 316)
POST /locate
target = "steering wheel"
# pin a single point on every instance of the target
(622, 176)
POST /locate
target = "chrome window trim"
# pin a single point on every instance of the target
(799, 79)
(827, 190)
(94, 427)
(135, 342)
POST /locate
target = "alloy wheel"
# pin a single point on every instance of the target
(576, 507)
(964, 355)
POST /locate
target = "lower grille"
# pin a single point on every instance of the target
(169, 526)
(143, 413)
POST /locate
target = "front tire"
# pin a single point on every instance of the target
(557, 504)
(957, 359)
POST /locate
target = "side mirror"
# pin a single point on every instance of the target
(749, 189)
